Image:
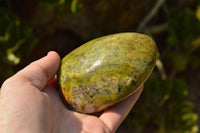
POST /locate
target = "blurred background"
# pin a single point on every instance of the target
(170, 102)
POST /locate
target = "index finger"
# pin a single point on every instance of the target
(114, 116)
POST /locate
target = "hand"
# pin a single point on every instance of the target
(30, 103)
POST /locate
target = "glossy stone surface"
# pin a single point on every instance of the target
(106, 70)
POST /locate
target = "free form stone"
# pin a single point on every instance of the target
(106, 70)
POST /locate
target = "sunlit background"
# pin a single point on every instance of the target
(170, 102)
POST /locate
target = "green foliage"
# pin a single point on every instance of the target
(179, 60)
(183, 39)
(63, 7)
(16, 40)
(165, 106)
(184, 27)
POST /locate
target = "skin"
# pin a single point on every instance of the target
(30, 103)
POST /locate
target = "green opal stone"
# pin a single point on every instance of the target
(106, 70)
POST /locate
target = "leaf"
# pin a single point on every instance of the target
(195, 61)
(179, 60)
(11, 57)
(5, 37)
(184, 25)
(198, 12)
(16, 41)
(76, 6)
(196, 43)
(63, 7)
(179, 89)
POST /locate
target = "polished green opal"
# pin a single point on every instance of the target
(106, 70)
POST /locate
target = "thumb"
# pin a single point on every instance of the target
(40, 72)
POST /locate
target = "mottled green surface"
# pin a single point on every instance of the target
(106, 70)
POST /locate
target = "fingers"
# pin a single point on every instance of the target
(39, 72)
(114, 116)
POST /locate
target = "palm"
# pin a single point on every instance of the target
(73, 122)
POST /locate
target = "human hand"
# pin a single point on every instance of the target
(30, 103)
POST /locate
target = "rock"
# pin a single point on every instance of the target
(106, 70)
